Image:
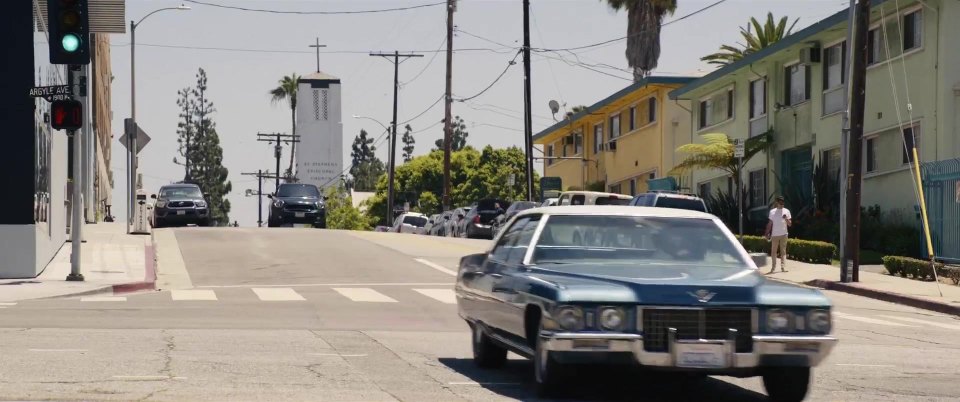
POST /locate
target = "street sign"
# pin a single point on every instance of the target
(738, 148)
(512, 179)
(142, 137)
(550, 184)
(53, 93)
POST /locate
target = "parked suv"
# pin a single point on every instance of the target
(592, 198)
(478, 223)
(297, 203)
(180, 205)
(410, 222)
(664, 199)
(502, 219)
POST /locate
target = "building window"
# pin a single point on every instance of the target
(797, 84)
(716, 109)
(831, 163)
(871, 145)
(577, 143)
(912, 30)
(758, 188)
(633, 187)
(614, 127)
(834, 76)
(597, 137)
(549, 154)
(563, 146)
(875, 46)
(652, 110)
(911, 137)
(704, 190)
(615, 188)
(758, 98)
(633, 118)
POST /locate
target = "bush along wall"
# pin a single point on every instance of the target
(814, 252)
(918, 269)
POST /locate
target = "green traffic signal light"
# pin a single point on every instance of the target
(70, 42)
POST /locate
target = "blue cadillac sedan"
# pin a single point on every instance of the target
(664, 289)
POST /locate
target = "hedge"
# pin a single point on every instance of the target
(815, 252)
(918, 269)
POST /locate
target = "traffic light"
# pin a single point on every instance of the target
(68, 24)
(66, 114)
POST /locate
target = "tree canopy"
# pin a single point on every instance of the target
(755, 37)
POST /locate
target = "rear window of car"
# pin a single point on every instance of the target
(417, 221)
(612, 201)
(692, 204)
(298, 190)
(491, 205)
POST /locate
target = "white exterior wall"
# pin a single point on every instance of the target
(319, 125)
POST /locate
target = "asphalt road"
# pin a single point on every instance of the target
(306, 314)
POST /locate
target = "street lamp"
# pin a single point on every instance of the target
(389, 172)
(132, 140)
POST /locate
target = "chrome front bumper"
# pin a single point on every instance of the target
(768, 350)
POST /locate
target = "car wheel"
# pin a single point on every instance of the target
(787, 384)
(548, 372)
(486, 353)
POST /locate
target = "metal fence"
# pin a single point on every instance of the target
(941, 187)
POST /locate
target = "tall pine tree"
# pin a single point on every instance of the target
(200, 146)
(408, 143)
(459, 135)
(365, 167)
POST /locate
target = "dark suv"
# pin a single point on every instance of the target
(297, 203)
(180, 205)
(665, 199)
(478, 223)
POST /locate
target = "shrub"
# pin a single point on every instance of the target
(815, 252)
(953, 273)
(917, 269)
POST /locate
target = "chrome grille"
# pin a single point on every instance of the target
(299, 207)
(711, 324)
(180, 204)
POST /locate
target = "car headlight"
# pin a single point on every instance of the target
(201, 204)
(278, 204)
(570, 318)
(779, 320)
(319, 205)
(818, 321)
(160, 204)
(612, 319)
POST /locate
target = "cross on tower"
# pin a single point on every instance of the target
(318, 46)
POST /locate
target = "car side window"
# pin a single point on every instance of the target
(565, 200)
(578, 199)
(524, 237)
(502, 249)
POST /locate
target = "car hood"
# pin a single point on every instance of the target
(667, 285)
(298, 200)
(178, 199)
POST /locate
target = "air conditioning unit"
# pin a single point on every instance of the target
(568, 140)
(612, 145)
(810, 55)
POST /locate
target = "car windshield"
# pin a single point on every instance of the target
(611, 200)
(298, 190)
(181, 192)
(635, 241)
(520, 206)
(418, 221)
(681, 203)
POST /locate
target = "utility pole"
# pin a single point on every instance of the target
(260, 176)
(845, 274)
(858, 81)
(527, 110)
(447, 123)
(76, 194)
(317, 46)
(278, 138)
(393, 135)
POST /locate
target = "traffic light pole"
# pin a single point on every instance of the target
(76, 197)
(132, 138)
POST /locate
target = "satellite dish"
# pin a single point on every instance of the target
(554, 106)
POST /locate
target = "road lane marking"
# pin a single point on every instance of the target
(147, 377)
(864, 365)
(57, 350)
(339, 354)
(474, 383)
(364, 295)
(193, 294)
(444, 295)
(277, 294)
(103, 299)
(924, 322)
(326, 285)
(870, 320)
(436, 266)
(8, 304)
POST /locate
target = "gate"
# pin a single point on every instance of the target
(941, 187)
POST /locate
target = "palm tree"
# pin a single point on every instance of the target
(756, 37)
(717, 153)
(643, 32)
(288, 91)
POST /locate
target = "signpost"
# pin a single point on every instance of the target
(739, 150)
(142, 138)
(553, 184)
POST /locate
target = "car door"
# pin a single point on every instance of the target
(507, 282)
(482, 282)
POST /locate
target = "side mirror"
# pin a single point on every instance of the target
(473, 262)
(270, 196)
(460, 216)
(154, 196)
(326, 198)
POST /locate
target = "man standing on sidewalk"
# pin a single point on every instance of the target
(780, 220)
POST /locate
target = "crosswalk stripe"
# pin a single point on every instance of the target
(8, 304)
(193, 294)
(277, 294)
(103, 299)
(869, 320)
(444, 295)
(364, 295)
(923, 322)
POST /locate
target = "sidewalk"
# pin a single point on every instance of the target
(880, 286)
(111, 262)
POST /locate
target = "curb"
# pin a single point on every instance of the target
(150, 277)
(891, 297)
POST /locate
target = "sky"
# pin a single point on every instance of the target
(254, 50)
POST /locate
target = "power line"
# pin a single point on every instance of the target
(249, 50)
(260, 10)
(504, 72)
(429, 62)
(423, 112)
(582, 65)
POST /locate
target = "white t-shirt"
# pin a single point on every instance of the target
(779, 222)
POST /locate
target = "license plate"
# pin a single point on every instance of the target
(181, 212)
(802, 347)
(701, 355)
(300, 214)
